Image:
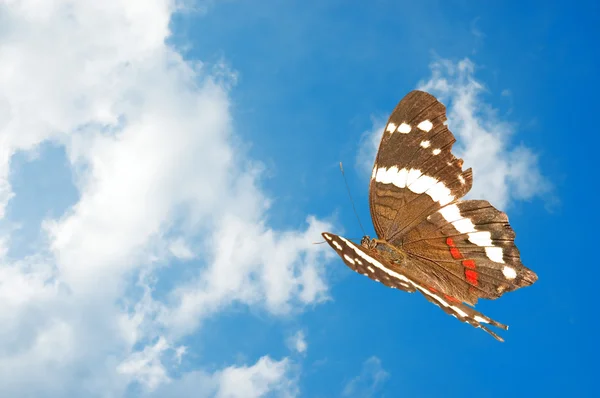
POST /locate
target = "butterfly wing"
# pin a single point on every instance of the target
(370, 263)
(415, 172)
(463, 248)
(467, 250)
(453, 252)
(359, 260)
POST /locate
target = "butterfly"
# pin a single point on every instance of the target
(429, 240)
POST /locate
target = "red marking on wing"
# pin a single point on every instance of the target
(470, 264)
(450, 298)
(454, 252)
(471, 277)
(432, 289)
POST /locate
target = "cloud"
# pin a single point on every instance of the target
(255, 381)
(502, 172)
(368, 382)
(160, 177)
(180, 249)
(254, 266)
(297, 342)
(266, 376)
(146, 366)
(369, 143)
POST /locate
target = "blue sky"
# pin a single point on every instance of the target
(167, 167)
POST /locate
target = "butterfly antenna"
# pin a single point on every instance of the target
(351, 200)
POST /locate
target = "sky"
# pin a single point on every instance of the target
(167, 166)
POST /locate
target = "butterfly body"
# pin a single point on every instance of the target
(388, 252)
(452, 251)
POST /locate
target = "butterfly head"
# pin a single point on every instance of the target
(367, 242)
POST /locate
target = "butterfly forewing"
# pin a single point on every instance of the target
(362, 261)
(415, 172)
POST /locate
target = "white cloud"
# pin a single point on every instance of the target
(369, 143)
(180, 249)
(297, 342)
(255, 266)
(146, 366)
(179, 353)
(156, 163)
(266, 376)
(255, 381)
(502, 172)
(368, 382)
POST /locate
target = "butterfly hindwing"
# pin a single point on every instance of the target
(371, 262)
(474, 243)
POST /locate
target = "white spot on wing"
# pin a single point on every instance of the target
(422, 184)
(464, 226)
(439, 193)
(392, 176)
(425, 144)
(509, 272)
(404, 128)
(413, 174)
(390, 128)
(481, 238)
(452, 215)
(425, 125)
(370, 268)
(349, 259)
(337, 245)
(403, 178)
(436, 151)
(461, 179)
(479, 319)
(327, 236)
(494, 254)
